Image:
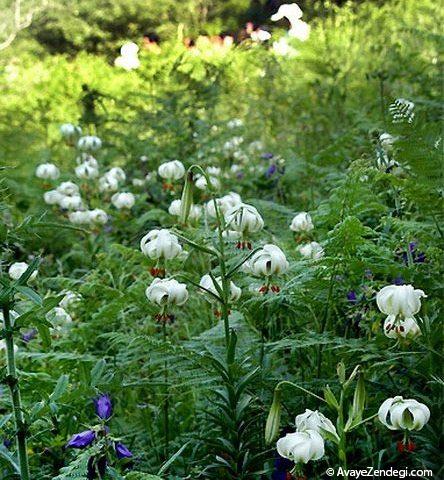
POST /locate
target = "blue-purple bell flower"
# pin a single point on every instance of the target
(267, 156)
(351, 296)
(417, 257)
(122, 451)
(398, 280)
(82, 439)
(282, 467)
(271, 170)
(104, 407)
(29, 335)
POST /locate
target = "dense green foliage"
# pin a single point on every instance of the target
(188, 387)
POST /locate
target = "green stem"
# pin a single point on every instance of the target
(342, 435)
(15, 396)
(291, 384)
(166, 404)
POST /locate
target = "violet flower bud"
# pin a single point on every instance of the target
(29, 335)
(104, 407)
(351, 297)
(82, 439)
(122, 451)
(271, 171)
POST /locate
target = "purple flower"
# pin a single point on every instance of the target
(82, 439)
(282, 466)
(351, 297)
(29, 335)
(267, 156)
(398, 280)
(122, 451)
(417, 257)
(7, 442)
(104, 407)
(271, 170)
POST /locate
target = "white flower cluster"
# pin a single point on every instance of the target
(67, 195)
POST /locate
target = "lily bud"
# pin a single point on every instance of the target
(274, 418)
(186, 201)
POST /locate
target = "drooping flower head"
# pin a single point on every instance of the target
(160, 244)
(402, 300)
(122, 451)
(399, 414)
(270, 260)
(82, 439)
(301, 447)
(164, 292)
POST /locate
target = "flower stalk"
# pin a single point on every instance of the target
(13, 383)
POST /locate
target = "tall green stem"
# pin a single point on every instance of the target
(166, 404)
(13, 383)
(342, 435)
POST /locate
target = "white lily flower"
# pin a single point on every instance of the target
(202, 184)
(301, 447)
(68, 188)
(68, 130)
(128, 58)
(160, 244)
(402, 300)
(244, 219)
(311, 250)
(89, 143)
(224, 204)
(52, 197)
(17, 269)
(79, 217)
(300, 30)
(260, 35)
(173, 170)
(108, 183)
(71, 202)
(302, 222)
(399, 414)
(98, 216)
(291, 11)
(315, 420)
(195, 210)
(116, 173)
(86, 171)
(270, 260)
(123, 200)
(47, 171)
(401, 327)
(165, 292)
